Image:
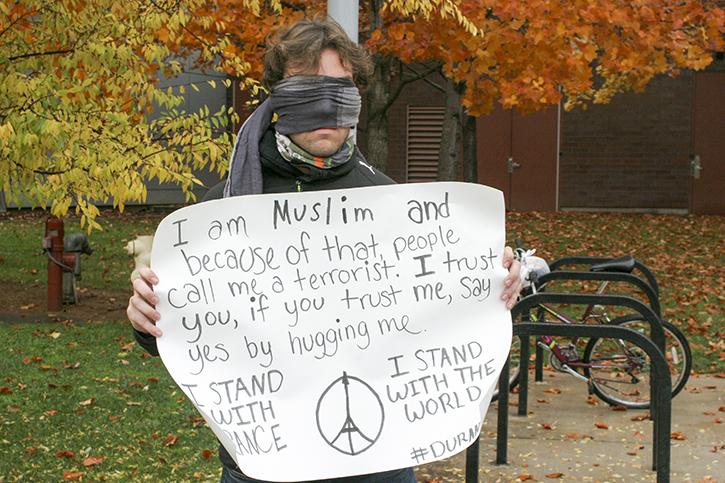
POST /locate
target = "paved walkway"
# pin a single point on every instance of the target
(559, 441)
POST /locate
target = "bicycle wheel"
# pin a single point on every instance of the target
(620, 371)
(514, 355)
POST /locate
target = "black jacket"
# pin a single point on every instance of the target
(279, 176)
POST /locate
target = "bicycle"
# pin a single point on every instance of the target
(615, 371)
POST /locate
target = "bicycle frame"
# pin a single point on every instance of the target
(568, 364)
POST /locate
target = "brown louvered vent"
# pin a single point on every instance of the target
(425, 125)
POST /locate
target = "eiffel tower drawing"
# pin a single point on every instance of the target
(351, 439)
(349, 427)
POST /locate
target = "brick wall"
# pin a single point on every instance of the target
(631, 153)
(417, 94)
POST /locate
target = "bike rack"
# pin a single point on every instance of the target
(523, 306)
(659, 384)
(584, 260)
(650, 293)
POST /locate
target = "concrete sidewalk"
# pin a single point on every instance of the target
(560, 441)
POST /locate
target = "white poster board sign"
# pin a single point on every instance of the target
(335, 333)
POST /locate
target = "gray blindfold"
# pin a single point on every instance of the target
(308, 102)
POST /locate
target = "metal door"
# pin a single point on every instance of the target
(707, 162)
(518, 154)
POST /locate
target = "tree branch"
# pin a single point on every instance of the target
(39, 54)
(393, 97)
(425, 79)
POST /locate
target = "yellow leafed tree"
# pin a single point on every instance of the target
(78, 86)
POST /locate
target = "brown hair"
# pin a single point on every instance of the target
(300, 45)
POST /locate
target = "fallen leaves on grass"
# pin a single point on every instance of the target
(87, 402)
(206, 454)
(72, 475)
(92, 460)
(171, 440)
(65, 454)
(128, 346)
(5, 390)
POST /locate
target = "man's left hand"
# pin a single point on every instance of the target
(512, 282)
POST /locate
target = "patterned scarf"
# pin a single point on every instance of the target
(298, 157)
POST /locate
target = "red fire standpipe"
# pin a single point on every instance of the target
(53, 242)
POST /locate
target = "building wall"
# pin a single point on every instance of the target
(418, 94)
(213, 97)
(631, 153)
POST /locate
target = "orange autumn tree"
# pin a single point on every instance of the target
(533, 54)
(243, 33)
(527, 55)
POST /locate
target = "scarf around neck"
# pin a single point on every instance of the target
(297, 156)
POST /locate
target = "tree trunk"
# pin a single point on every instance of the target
(377, 97)
(470, 158)
(448, 156)
(376, 148)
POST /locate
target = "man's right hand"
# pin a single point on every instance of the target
(141, 310)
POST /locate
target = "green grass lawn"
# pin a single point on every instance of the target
(71, 392)
(21, 238)
(79, 393)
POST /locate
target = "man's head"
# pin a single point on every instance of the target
(317, 48)
(298, 49)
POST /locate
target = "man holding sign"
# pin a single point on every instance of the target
(299, 140)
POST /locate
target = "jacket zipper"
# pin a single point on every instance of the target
(298, 183)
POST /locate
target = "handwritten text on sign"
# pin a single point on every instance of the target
(334, 333)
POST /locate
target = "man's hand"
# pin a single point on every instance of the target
(512, 282)
(141, 309)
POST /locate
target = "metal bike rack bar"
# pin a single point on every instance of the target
(651, 279)
(524, 305)
(660, 385)
(472, 462)
(646, 288)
